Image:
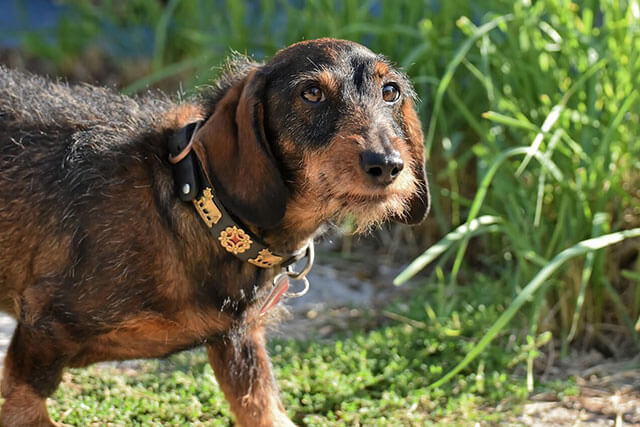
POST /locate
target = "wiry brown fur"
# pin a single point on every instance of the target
(99, 260)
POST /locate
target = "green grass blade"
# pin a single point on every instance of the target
(617, 120)
(581, 248)
(476, 226)
(414, 54)
(165, 72)
(509, 121)
(472, 121)
(161, 34)
(484, 188)
(555, 113)
(551, 119)
(598, 223)
(451, 69)
(543, 177)
(622, 310)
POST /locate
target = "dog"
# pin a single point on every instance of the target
(137, 227)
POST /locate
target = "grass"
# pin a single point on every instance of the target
(365, 378)
(555, 158)
(585, 247)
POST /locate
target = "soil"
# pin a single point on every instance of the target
(609, 394)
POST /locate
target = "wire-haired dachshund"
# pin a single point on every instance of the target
(137, 228)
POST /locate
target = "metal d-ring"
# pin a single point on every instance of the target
(300, 293)
(299, 276)
(307, 268)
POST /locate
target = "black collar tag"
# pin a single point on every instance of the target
(185, 172)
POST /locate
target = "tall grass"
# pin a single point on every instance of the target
(558, 83)
(556, 161)
(531, 111)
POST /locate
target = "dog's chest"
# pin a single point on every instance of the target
(154, 335)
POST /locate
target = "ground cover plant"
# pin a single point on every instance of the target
(362, 378)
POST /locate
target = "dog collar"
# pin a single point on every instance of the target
(193, 185)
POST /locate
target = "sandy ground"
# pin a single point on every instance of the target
(6, 329)
(608, 393)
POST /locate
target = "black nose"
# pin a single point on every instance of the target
(382, 168)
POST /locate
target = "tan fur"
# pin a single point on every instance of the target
(251, 393)
(24, 408)
(380, 69)
(345, 191)
(182, 115)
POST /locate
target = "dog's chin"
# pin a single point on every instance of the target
(369, 211)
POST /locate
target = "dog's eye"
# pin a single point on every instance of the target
(313, 94)
(390, 93)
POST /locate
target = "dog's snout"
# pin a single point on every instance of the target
(382, 168)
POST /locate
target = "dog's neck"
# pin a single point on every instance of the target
(296, 228)
(279, 247)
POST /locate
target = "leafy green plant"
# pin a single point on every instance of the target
(586, 246)
(566, 86)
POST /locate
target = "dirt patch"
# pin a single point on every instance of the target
(7, 325)
(608, 393)
(341, 298)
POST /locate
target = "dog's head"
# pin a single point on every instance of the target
(326, 129)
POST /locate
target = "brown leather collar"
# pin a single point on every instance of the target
(192, 184)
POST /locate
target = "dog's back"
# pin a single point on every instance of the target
(27, 99)
(62, 148)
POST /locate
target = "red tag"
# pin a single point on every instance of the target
(276, 293)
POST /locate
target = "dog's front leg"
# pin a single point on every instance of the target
(32, 370)
(243, 369)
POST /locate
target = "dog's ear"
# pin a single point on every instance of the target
(418, 205)
(244, 172)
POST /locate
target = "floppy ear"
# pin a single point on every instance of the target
(242, 168)
(418, 205)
